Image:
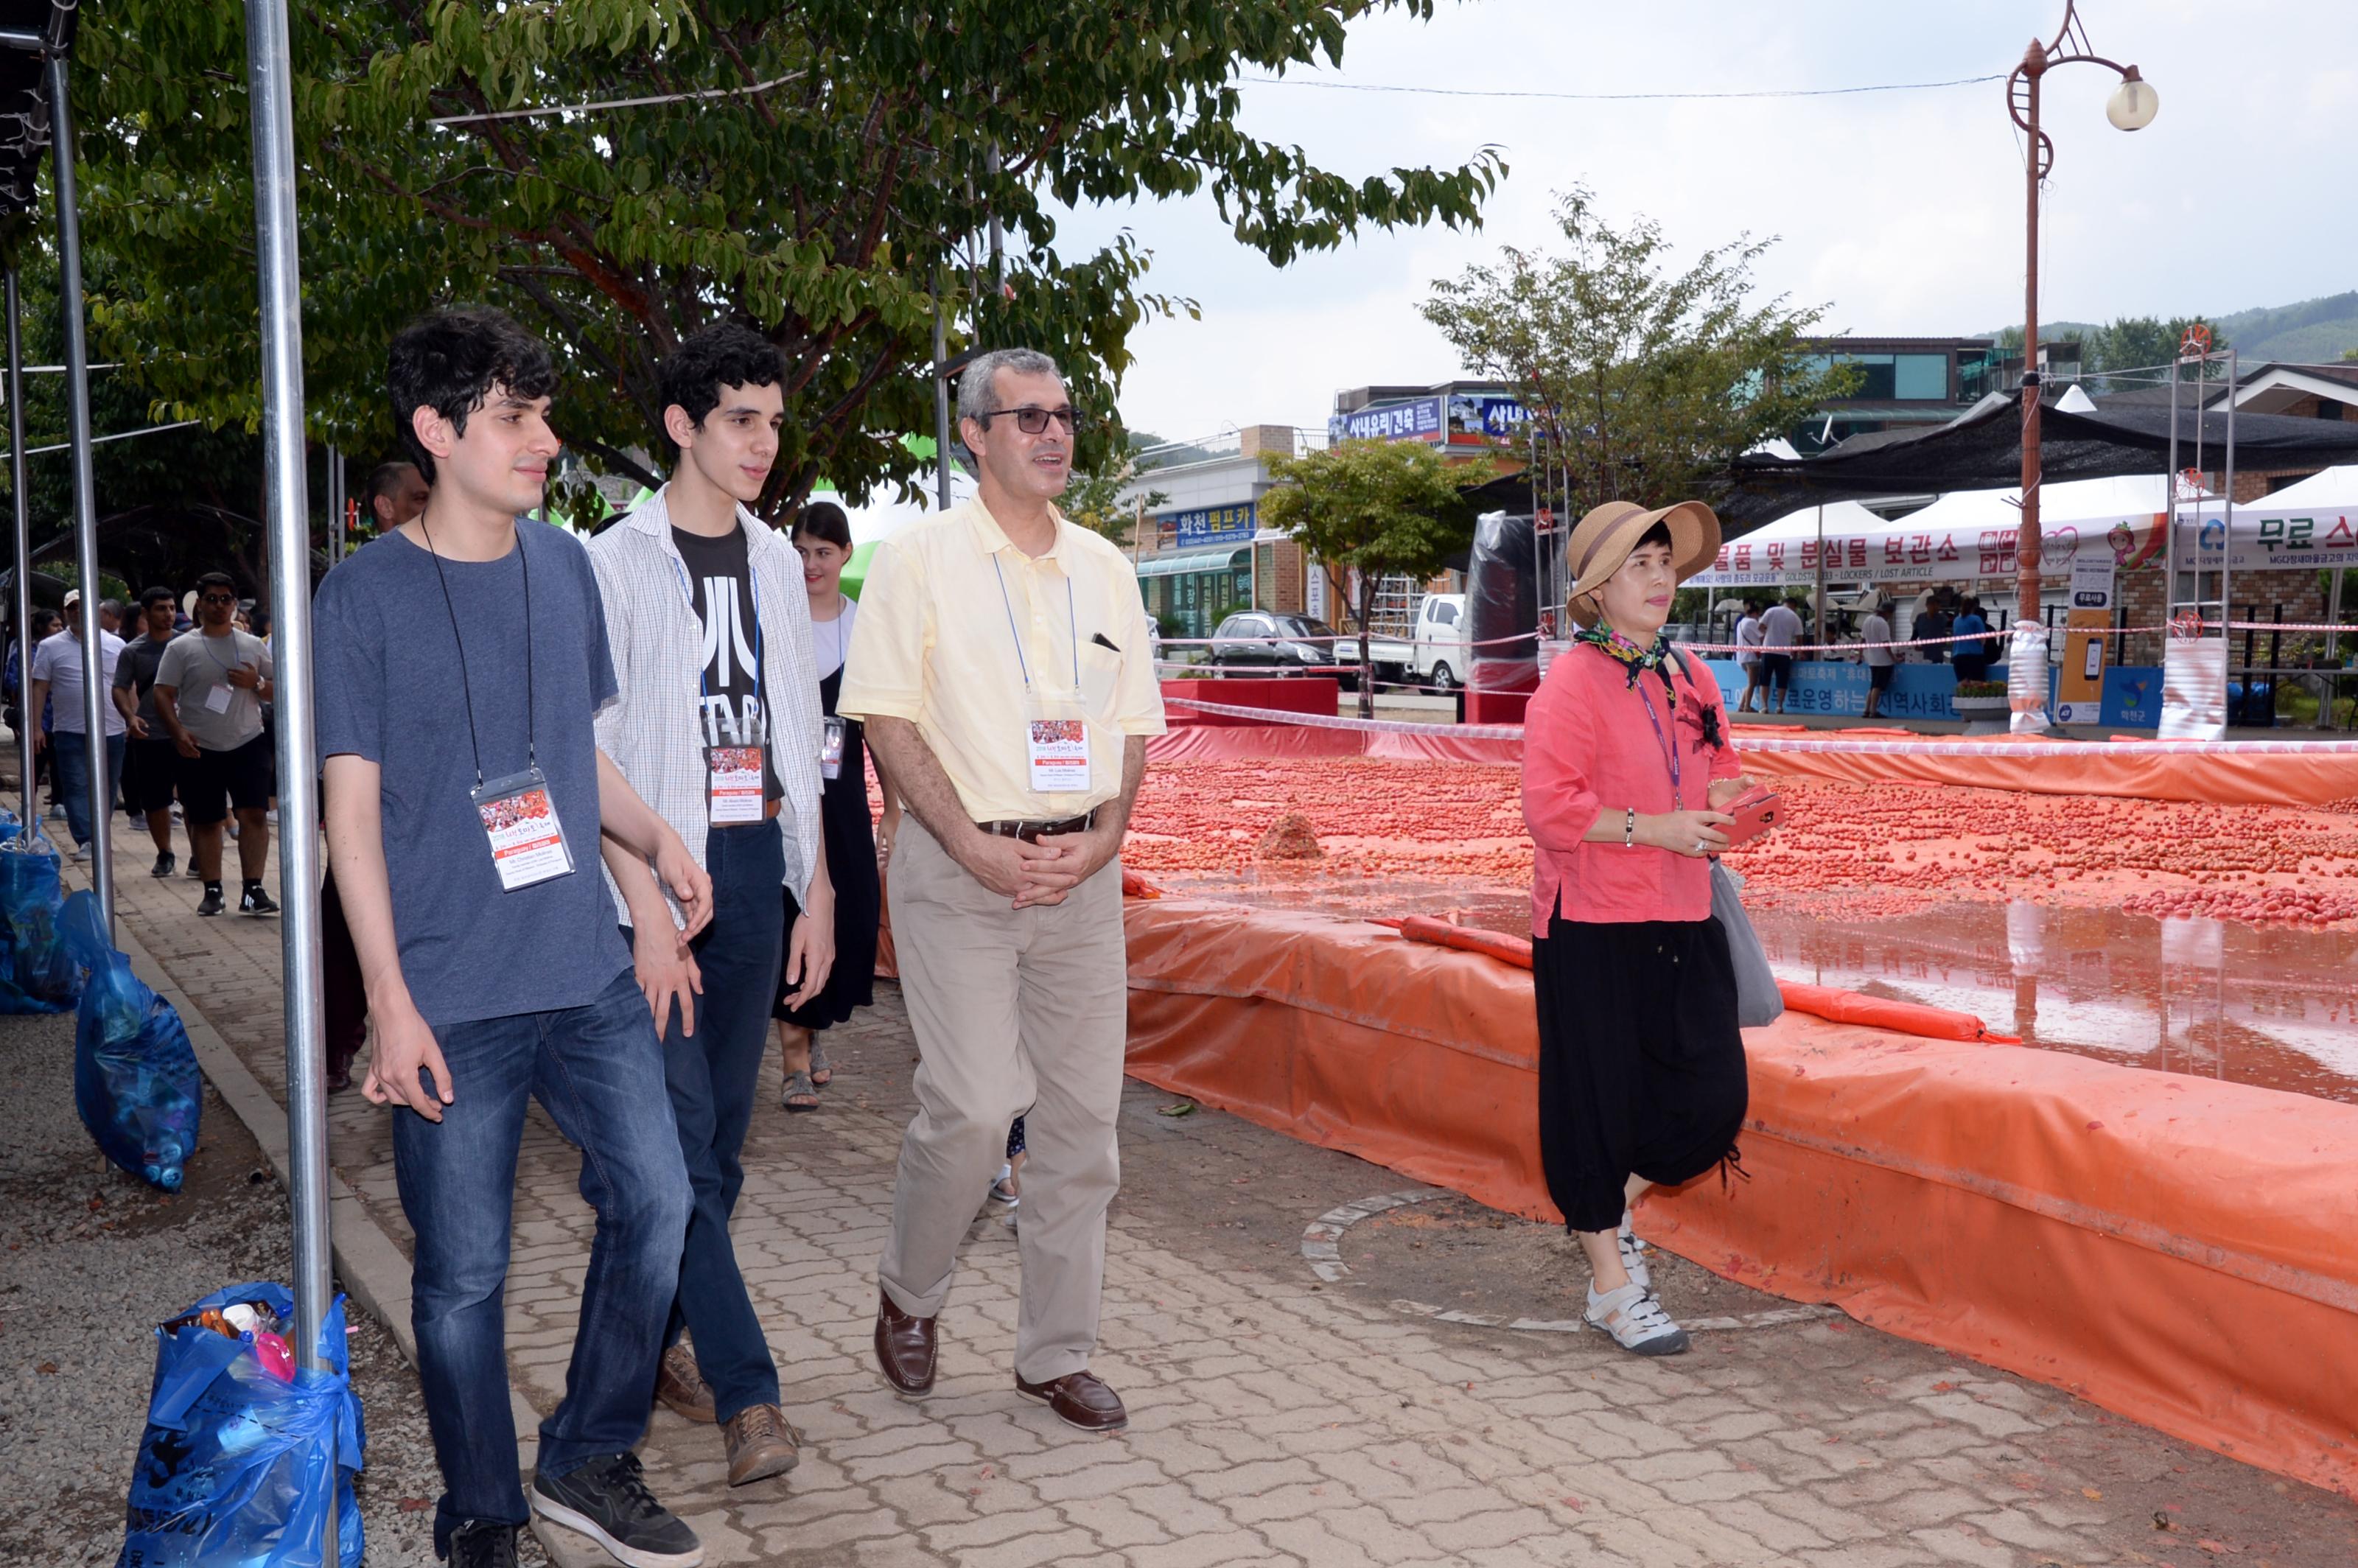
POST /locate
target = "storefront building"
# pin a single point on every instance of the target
(1202, 553)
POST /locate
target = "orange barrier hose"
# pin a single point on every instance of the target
(1825, 1002)
(2174, 1248)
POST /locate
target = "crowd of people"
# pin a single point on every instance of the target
(700, 705)
(1770, 634)
(690, 698)
(186, 710)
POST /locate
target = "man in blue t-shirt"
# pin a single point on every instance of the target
(461, 660)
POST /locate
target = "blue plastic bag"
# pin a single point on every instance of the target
(135, 1078)
(40, 976)
(239, 1464)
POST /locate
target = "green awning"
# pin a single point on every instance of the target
(1184, 563)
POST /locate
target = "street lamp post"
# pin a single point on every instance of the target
(2130, 108)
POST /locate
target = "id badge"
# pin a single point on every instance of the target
(520, 820)
(217, 699)
(831, 746)
(1056, 741)
(735, 793)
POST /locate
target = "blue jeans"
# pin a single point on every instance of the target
(72, 748)
(598, 1071)
(711, 1074)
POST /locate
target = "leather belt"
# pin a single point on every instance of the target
(1032, 832)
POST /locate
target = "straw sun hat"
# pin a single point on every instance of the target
(1602, 541)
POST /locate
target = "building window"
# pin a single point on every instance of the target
(1921, 378)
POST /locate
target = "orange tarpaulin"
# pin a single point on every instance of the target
(2175, 1249)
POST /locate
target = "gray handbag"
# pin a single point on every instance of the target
(1758, 1000)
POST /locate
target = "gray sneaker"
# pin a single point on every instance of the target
(1636, 1320)
(608, 1501)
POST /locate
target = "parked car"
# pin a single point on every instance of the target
(1252, 640)
(1439, 653)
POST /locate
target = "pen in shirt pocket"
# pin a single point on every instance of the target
(1100, 639)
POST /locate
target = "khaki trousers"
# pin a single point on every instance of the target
(1017, 1012)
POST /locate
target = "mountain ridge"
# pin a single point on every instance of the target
(2311, 331)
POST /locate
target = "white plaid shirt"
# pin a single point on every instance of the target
(650, 729)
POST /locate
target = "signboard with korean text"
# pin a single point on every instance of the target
(1418, 419)
(1899, 554)
(2317, 539)
(1231, 525)
(1481, 417)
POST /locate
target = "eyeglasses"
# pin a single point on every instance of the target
(217, 599)
(1032, 421)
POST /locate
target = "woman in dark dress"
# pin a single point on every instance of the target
(823, 537)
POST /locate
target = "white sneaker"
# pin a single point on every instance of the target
(81, 852)
(1636, 1320)
(1633, 1255)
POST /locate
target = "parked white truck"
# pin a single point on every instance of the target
(1438, 654)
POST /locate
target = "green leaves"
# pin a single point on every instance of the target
(1644, 382)
(819, 167)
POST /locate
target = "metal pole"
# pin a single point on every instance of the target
(96, 694)
(268, 72)
(941, 400)
(26, 719)
(335, 506)
(2025, 546)
(2227, 527)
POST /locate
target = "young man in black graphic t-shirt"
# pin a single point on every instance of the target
(718, 726)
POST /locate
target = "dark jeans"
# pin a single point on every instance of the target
(711, 1074)
(72, 749)
(597, 1069)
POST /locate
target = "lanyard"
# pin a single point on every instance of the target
(704, 666)
(1670, 752)
(231, 641)
(466, 687)
(1072, 624)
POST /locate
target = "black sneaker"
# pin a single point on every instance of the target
(482, 1543)
(165, 864)
(212, 901)
(608, 1501)
(257, 902)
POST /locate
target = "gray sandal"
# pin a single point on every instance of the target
(799, 1087)
(821, 1069)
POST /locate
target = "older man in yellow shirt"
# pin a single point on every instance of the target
(1002, 667)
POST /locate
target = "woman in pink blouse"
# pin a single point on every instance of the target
(1626, 767)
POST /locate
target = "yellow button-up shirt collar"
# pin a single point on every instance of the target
(935, 643)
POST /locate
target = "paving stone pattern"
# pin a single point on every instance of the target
(1276, 1418)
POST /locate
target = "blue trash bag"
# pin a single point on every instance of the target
(237, 1461)
(135, 1078)
(40, 976)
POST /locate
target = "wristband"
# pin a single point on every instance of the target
(1629, 830)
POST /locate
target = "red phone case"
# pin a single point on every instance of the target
(1755, 813)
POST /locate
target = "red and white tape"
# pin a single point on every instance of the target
(1929, 748)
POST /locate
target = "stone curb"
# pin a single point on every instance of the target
(372, 1269)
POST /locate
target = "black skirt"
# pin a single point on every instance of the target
(1641, 1064)
(851, 836)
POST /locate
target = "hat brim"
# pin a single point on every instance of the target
(1695, 542)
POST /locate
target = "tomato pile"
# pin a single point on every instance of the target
(1853, 849)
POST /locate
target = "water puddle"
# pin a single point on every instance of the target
(2270, 1006)
(2264, 1005)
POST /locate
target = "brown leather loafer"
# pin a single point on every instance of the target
(680, 1383)
(1079, 1400)
(761, 1444)
(904, 1349)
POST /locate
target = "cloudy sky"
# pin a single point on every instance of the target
(1901, 211)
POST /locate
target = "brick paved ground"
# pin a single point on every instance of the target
(1278, 1420)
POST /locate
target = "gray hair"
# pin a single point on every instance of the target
(978, 382)
(111, 607)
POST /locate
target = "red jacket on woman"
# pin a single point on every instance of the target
(1588, 750)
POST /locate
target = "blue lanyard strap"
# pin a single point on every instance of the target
(1072, 625)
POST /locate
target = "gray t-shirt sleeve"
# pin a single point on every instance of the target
(173, 667)
(126, 672)
(348, 664)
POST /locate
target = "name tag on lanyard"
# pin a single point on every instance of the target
(734, 785)
(1056, 729)
(217, 699)
(527, 842)
(831, 746)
